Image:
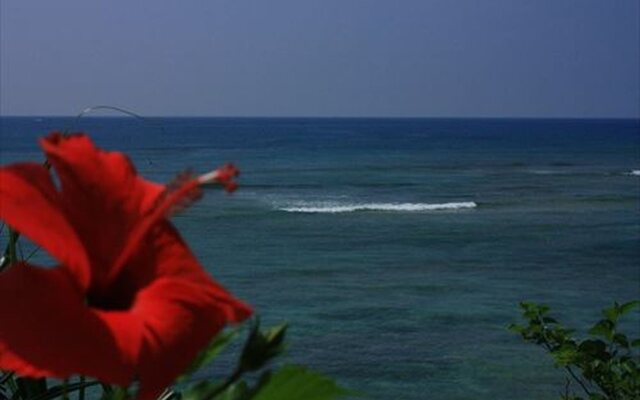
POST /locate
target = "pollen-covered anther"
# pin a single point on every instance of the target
(224, 175)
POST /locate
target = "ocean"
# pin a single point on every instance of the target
(398, 249)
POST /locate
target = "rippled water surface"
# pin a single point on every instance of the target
(399, 249)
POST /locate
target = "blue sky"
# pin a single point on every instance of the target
(447, 58)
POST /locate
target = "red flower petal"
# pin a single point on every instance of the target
(146, 307)
(172, 317)
(180, 318)
(179, 306)
(47, 330)
(102, 194)
(29, 202)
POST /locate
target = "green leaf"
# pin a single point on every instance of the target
(566, 354)
(116, 393)
(200, 390)
(626, 307)
(621, 339)
(206, 356)
(516, 328)
(205, 389)
(294, 382)
(238, 391)
(617, 310)
(611, 313)
(275, 334)
(526, 306)
(532, 311)
(594, 348)
(262, 346)
(604, 328)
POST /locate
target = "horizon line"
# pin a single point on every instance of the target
(324, 117)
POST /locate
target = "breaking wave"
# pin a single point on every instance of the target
(333, 208)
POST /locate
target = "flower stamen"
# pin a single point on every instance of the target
(223, 175)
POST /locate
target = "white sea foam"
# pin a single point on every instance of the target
(333, 208)
(635, 172)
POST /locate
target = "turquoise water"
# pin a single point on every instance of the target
(399, 249)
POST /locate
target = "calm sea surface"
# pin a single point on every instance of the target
(399, 249)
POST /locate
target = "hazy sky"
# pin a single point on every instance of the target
(458, 58)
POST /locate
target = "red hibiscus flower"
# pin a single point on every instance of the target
(128, 300)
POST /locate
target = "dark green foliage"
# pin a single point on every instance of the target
(605, 365)
(114, 393)
(31, 388)
(289, 382)
(262, 346)
(292, 382)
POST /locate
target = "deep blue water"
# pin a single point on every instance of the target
(399, 249)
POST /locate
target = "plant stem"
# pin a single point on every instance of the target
(81, 392)
(65, 391)
(566, 367)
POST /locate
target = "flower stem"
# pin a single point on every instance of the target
(81, 392)
(65, 391)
